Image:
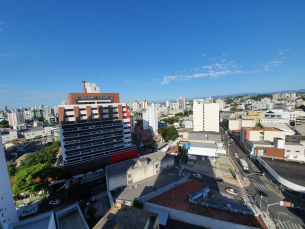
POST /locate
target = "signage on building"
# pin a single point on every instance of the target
(285, 204)
(203, 192)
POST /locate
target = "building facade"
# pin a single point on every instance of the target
(150, 119)
(181, 103)
(95, 130)
(205, 116)
(15, 118)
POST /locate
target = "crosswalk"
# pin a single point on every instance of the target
(287, 224)
(260, 186)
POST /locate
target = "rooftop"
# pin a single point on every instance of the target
(301, 129)
(38, 222)
(146, 186)
(32, 129)
(130, 217)
(289, 170)
(262, 143)
(123, 166)
(258, 128)
(205, 132)
(204, 145)
(177, 198)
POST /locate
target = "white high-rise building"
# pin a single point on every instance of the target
(15, 118)
(7, 205)
(135, 106)
(150, 119)
(168, 104)
(182, 103)
(209, 100)
(220, 102)
(205, 116)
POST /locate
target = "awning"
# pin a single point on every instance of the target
(163, 214)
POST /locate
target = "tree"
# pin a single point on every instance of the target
(162, 131)
(171, 134)
(36, 178)
(11, 170)
(179, 114)
(4, 124)
(190, 112)
(40, 119)
(233, 109)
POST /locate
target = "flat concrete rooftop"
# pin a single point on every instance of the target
(289, 170)
(204, 145)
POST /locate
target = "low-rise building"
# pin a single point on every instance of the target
(133, 170)
(9, 135)
(188, 124)
(254, 115)
(123, 216)
(260, 134)
(200, 151)
(204, 136)
(19, 126)
(34, 133)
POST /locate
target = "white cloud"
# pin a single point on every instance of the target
(234, 66)
(196, 76)
(166, 79)
(230, 62)
(213, 59)
(213, 78)
(176, 71)
(238, 72)
(266, 67)
(224, 54)
(253, 71)
(208, 67)
(196, 68)
(223, 60)
(204, 54)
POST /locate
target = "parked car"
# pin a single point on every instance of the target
(231, 191)
(237, 146)
(190, 163)
(236, 155)
(218, 179)
(197, 175)
(54, 202)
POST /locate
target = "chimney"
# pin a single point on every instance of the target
(84, 87)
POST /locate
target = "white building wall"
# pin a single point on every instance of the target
(247, 123)
(295, 152)
(211, 117)
(270, 135)
(150, 119)
(9, 137)
(7, 205)
(274, 120)
(198, 115)
(234, 124)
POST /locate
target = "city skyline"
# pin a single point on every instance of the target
(149, 51)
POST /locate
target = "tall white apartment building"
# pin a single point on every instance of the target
(150, 119)
(7, 205)
(168, 103)
(221, 104)
(209, 100)
(15, 118)
(182, 103)
(289, 95)
(135, 106)
(205, 116)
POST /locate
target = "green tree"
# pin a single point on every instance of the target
(11, 170)
(171, 134)
(40, 119)
(190, 112)
(4, 124)
(233, 109)
(179, 114)
(162, 131)
(36, 178)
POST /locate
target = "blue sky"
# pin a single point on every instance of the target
(153, 50)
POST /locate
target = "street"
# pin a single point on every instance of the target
(264, 191)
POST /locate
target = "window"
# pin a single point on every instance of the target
(157, 166)
(129, 175)
(288, 151)
(261, 152)
(297, 151)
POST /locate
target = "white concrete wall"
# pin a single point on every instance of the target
(211, 117)
(270, 135)
(6, 197)
(9, 137)
(198, 115)
(255, 136)
(234, 124)
(247, 123)
(295, 152)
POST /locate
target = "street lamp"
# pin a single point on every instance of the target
(260, 203)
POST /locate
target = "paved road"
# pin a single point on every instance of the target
(265, 192)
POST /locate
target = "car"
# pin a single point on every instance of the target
(190, 163)
(231, 191)
(177, 167)
(218, 179)
(237, 146)
(236, 155)
(54, 202)
(197, 175)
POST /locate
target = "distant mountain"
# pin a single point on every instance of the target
(253, 93)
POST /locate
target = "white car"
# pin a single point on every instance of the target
(236, 155)
(197, 175)
(231, 191)
(54, 202)
(190, 163)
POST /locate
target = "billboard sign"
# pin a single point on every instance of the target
(203, 192)
(285, 204)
